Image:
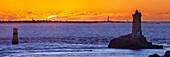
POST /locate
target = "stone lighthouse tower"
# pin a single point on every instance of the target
(135, 40)
(136, 26)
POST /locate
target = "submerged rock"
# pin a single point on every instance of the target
(132, 42)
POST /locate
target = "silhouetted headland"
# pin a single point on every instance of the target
(49, 21)
(135, 40)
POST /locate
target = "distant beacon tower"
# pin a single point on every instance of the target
(136, 28)
(108, 19)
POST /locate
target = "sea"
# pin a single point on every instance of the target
(78, 39)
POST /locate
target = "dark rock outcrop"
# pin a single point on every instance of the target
(167, 54)
(154, 55)
(132, 42)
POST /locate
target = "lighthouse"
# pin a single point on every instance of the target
(136, 26)
(135, 40)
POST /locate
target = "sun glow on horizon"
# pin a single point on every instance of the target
(52, 16)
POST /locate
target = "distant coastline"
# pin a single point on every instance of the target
(45, 21)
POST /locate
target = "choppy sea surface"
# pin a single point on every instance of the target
(77, 39)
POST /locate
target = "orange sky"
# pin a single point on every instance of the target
(152, 10)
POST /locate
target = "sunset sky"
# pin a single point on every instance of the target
(118, 10)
